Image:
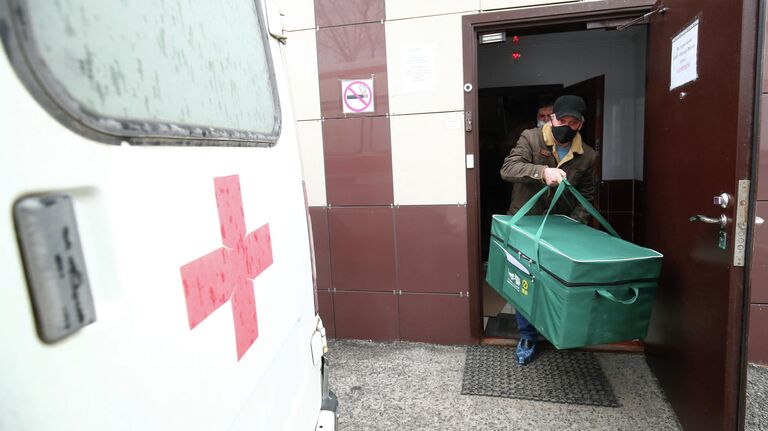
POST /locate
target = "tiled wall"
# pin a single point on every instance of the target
(387, 189)
(758, 320)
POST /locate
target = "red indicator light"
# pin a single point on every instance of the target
(515, 39)
(516, 55)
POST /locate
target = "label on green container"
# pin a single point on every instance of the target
(520, 284)
(519, 287)
(510, 277)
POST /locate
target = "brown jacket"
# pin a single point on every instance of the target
(524, 166)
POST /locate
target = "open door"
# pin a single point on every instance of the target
(698, 144)
(592, 91)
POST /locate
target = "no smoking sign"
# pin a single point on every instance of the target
(357, 96)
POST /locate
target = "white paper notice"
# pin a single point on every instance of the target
(685, 48)
(418, 68)
(511, 259)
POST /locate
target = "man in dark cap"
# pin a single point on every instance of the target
(545, 156)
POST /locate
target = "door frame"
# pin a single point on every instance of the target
(544, 15)
(472, 25)
(749, 138)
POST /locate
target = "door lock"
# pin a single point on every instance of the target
(722, 220)
(722, 200)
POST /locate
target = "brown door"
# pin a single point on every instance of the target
(592, 91)
(698, 144)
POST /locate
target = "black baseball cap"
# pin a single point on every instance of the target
(570, 106)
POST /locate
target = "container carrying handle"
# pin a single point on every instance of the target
(579, 197)
(564, 184)
(608, 295)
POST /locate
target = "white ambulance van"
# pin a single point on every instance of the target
(156, 261)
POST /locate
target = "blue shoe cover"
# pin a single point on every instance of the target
(525, 350)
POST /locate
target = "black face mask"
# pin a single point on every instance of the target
(563, 134)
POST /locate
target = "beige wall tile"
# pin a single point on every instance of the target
(399, 9)
(301, 58)
(508, 4)
(310, 135)
(297, 14)
(424, 65)
(428, 161)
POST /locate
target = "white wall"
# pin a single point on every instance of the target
(568, 58)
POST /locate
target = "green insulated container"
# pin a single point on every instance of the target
(577, 285)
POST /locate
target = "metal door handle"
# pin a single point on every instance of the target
(759, 221)
(722, 220)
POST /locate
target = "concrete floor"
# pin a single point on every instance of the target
(757, 398)
(415, 386)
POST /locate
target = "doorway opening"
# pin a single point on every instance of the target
(651, 187)
(530, 70)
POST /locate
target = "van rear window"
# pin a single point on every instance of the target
(155, 69)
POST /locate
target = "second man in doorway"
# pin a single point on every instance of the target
(544, 113)
(546, 155)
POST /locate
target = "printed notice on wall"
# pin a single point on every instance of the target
(685, 48)
(418, 68)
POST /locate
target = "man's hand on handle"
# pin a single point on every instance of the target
(553, 176)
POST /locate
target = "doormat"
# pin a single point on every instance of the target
(556, 376)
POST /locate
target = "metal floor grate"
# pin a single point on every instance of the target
(558, 376)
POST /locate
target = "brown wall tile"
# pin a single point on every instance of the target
(319, 218)
(440, 319)
(343, 12)
(623, 223)
(351, 52)
(358, 161)
(325, 302)
(362, 248)
(604, 193)
(638, 186)
(759, 271)
(758, 334)
(639, 212)
(432, 248)
(762, 172)
(620, 196)
(366, 315)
